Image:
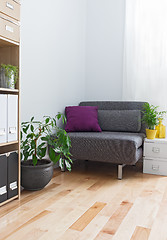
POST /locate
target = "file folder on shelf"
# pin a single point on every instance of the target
(3, 178)
(12, 166)
(3, 118)
(12, 118)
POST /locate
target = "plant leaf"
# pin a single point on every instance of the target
(44, 138)
(52, 154)
(46, 120)
(32, 119)
(32, 128)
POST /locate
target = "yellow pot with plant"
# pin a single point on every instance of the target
(150, 118)
(153, 120)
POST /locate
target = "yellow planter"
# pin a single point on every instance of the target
(151, 133)
(161, 130)
(157, 133)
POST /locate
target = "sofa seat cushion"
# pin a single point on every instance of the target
(114, 147)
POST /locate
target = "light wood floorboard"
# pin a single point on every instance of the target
(90, 204)
(141, 233)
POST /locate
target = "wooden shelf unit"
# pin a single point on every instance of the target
(10, 54)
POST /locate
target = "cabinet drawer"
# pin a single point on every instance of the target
(10, 8)
(157, 167)
(155, 150)
(9, 29)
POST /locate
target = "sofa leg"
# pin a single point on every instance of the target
(120, 167)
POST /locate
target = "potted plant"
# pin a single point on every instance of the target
(35, 137)
(8, 76)
(151, 118)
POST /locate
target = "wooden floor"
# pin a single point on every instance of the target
(90, 203)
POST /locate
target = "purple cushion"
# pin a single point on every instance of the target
(82, 119)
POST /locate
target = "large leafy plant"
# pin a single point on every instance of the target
(151, 115)
(37, 135)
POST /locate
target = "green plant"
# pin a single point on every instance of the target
(10, 70)
(36, 135)
(161, 115)
(151, 116)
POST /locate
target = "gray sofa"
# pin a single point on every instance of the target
(121, 139)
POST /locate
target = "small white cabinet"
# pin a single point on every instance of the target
(155, 156)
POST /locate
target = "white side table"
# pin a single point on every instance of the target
(155, 156)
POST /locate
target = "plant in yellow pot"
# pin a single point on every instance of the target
(150, 118)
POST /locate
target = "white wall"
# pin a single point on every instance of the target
(52, 56)
(104, 49)
(72, 50)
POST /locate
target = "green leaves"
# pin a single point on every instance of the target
(41, 152)
(68, 165)
(52, 154)
(33, 144)
(55, 158)
(25, 129)
(151, 115)
(58, 115)
(45, 138)
(32, 128)
(47, 120)
(36, 135)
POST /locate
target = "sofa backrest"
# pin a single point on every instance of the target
(117, 105)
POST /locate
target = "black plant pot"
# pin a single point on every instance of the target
(36, 177)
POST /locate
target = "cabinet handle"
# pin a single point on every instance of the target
(3, 190)
(156, 150)
(13, 186)
(9, 5)
(2, 132)
(12, 130)
(9, 28)
(155, 167)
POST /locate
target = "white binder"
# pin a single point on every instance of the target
(12, 118)
(3, 118)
